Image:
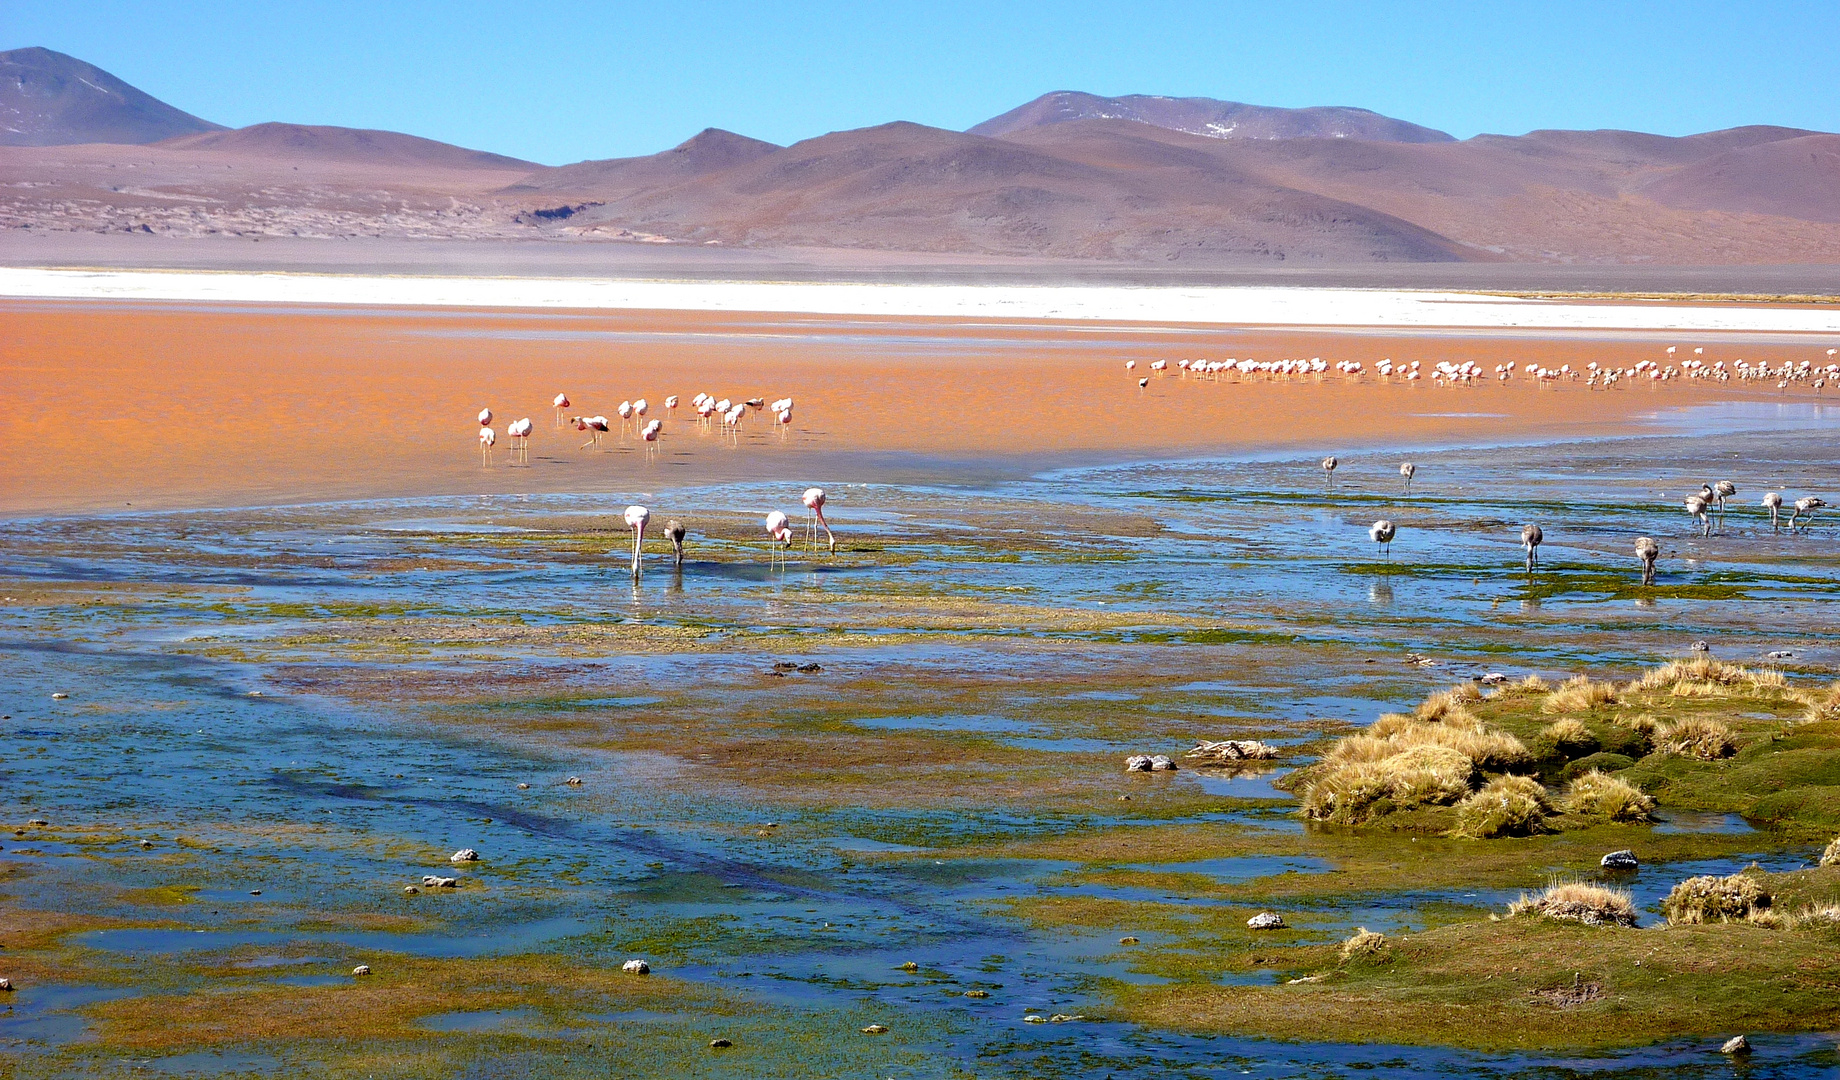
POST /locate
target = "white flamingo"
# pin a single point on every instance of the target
(636, 519)
(1531, 539)
(814, 502)
(1648, 551)
(1772, 502)
(1382, 532)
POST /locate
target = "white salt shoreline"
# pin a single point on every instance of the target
(1283, 306)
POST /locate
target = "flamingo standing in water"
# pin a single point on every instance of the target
(625, 410)
(1531, 539)
(1648, 551)
(670, 405)
(485, 417)
(486, 438)
(1408, 470)
(519, 431)
(1696, 506)
(595, 424)
(650, 434)
(1328, 465)
(561, 402)
(674, 532)
(814, 502)
(779, 535)
(1382, 532)
(636, 518)
(1807, 505)
(1773, 503)
(1721, 491)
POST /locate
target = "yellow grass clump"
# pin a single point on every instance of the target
(1641, 723)
(1703, 676)
(1580, 695)
(1569, 734)
(1598, 794)
(1831, 857)
(1351, 791)
(1580, 902)
(1506, 806)
(1825, 706)
(1364, 943)
(1696, 737)
(1715, 899)
(1531, 686)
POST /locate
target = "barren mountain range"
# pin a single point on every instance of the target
(1141, 180)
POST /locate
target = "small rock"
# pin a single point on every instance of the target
(1162, 763)
(1700, 646)
(523, 787)
(1305, 979)
(1494, 678)
(977, 993)
(910, 966)
(1265, 920)
(1033, 1019)
(1780, 654)
(1064, 1018)
(809, 669)
(719, 1044)
(636, 967)
(146, 843)
(59, 696)
(1620, 860)
(361, 969)
(1137, 763)
(875, 1029)
(1128, 940)
(38, 821)
(436, 881)
(1736, 1045)
(255, 892)
(464, 855)
(573, 781)
(411, 890)
(785, 666)
(255, 693)
(6, 985)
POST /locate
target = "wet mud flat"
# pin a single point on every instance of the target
(878, 789)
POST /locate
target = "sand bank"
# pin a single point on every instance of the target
(1169, 305)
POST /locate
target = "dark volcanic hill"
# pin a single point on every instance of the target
(49, 99)
(1214, 119)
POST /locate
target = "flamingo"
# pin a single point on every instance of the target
(814, 502)
(639, 408)
(1328, 465)
(779, 534)
(1531, 539)
(636, 519)
(670, 404)
(1773, 503)
(1141, 383)
(650, 435)
(485, 417)
(625, 410)
(561, 402)
(1807, 505)
(1647, 551)
(674, 532)
(519, 431)
(1721, 491)
(1696, 506)
(1408, 470)
(1381, 532)
(596, 424)
(486, 439)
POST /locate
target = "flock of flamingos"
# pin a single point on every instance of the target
(1704, 505)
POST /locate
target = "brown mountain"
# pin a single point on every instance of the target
(49, 99)
(711, 150)
(1793, 178)
(300, 142)
(1211, 118)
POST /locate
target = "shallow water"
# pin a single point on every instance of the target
(987, 660)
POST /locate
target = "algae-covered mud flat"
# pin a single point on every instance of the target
(401, 786)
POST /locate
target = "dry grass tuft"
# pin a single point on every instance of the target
(1349, 791)
(1831, 857)
(1531, 686)
(1704, 677)
(1507, 806)
(1364, 943)
(1696, 737)
(1643, 724)
(1580, 695)
(1489, 750)
(1580, 902)
(1825, 706)
(1715, 899)
(1598, 794)
(1569, 734)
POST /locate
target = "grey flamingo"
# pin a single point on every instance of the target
(1406, 471)
(674, 531)
(1696, 506)
(1807, 505)
(1531, 539)
(1773, 503)
(1382, 532)
(1328, 465)
(1721, 491)
(1647, 551)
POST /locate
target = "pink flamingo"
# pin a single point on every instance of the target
(636, 518)
(561, 402)
(485, 417)
(486, 439)
(814, 502)
(779, 535)
(650, 435)
(595, 424)
(625, 410)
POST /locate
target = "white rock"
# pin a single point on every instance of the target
(410, 890)
(1137, 763)
(464, 855)
(60, 696)
(1619, 860)
(636, 967)
(361, 969)
(1033, 1019)
(436, 881)
(1737, 1044)
(6, 985)
(1265, 920)
(1162, 763)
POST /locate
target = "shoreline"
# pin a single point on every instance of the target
(1262, 306)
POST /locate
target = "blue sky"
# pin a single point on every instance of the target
(561, 81)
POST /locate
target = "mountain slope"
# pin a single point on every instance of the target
(302, 142)
(49, 99)
(1211, 118)
(710, 150)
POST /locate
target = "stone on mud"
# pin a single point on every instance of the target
(1620, 860)
(1265, 920)
(636, 967)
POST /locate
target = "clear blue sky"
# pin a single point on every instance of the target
(557, 81)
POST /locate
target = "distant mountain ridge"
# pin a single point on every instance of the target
(355, 145)
(1210, 118)
(50, 99)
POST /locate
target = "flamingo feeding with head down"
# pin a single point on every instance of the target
(674, 532)
(486, 438)
(636, 518)
(1408, 470)
(814, 502)
(779, 535)
(1696, 506)
(1772, 502)
(1807, 505)
(1382, 532)
(1531, 539)
(595, 424)
(1647, 551)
